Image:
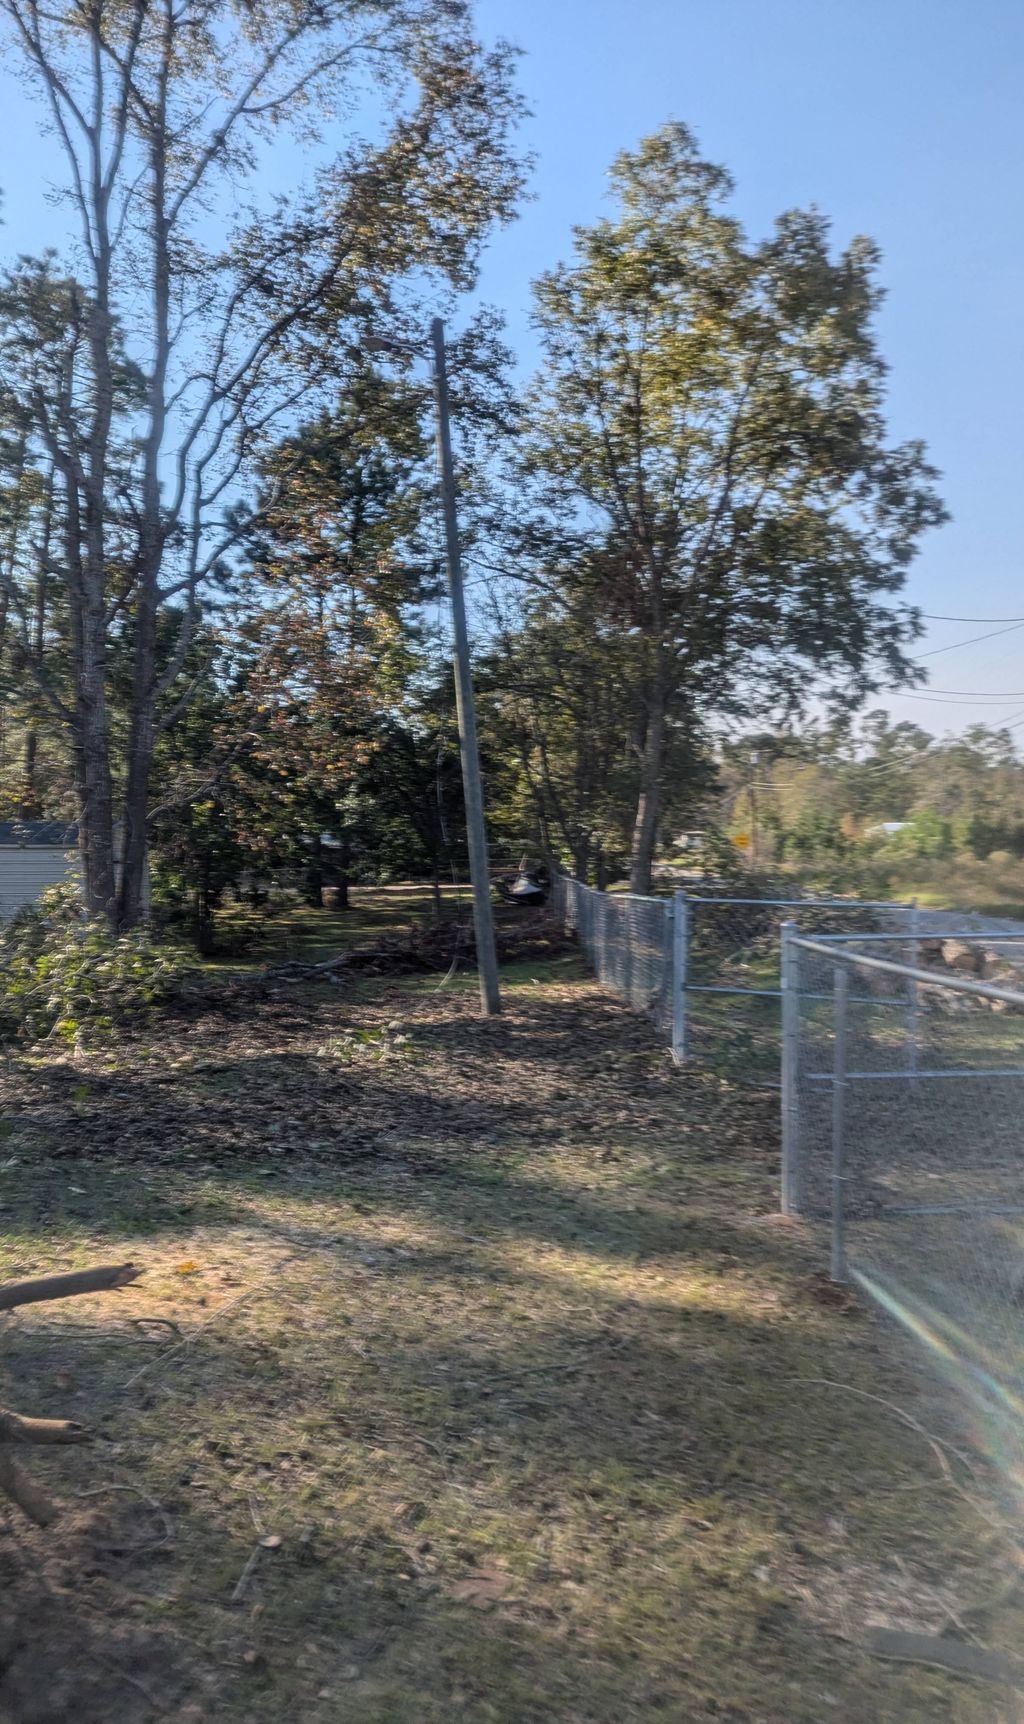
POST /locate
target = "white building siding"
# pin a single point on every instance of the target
(25, 870)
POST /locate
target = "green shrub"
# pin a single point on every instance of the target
(66, 977)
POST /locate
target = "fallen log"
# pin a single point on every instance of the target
(16, 1484)
(14, 1293)
(16, 1428)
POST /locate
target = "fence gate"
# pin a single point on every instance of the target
(903, 1144)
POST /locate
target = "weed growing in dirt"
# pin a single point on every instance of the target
(390, 1044)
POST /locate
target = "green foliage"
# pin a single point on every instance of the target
(880, 792)
(65, 977)
(700, 505)
(927, 834)
(816, 833)
(708, 445)
(144, 372)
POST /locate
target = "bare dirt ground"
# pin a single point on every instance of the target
(469, 1377)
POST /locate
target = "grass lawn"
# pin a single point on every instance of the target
(489, 1329)
(275, 933)
(993, 887)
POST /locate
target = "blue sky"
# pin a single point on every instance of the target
(902, 119)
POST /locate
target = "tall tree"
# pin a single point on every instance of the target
(43, 315)
(228, 308)
(337, 571)
(708, 433)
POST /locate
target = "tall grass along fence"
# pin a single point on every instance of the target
(903, 1141)
(705, 968)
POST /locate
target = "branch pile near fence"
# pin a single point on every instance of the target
(519, 935)
(15, 1428)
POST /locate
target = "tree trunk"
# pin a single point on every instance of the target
(142, 727)
(97, 818)
(204, 912)
(31, 806)
(29, 800)
(343, 868)
(95, 794)
(315, 873)
(135, 808)
(645, 826)
(202, 925)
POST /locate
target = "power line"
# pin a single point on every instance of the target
(1007, 724)
(971, 641)
(934, 617)
(979, 694)
(958, 696)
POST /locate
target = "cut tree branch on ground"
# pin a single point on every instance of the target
(15, 1293)
(15, 1428)
(19, 1487)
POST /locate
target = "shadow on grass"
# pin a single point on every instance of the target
(512, 1381)
(456, 1163)
(517, 1511)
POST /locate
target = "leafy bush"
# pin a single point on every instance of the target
(66, 977)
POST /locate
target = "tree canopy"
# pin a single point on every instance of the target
(221, 623)
(190, 318)
(707, 445)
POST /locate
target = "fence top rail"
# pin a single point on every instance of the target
(663, 898)
(922, 935)
(930, 978)
(804, 903)
(614, 897)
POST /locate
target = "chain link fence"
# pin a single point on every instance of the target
(629, 943)
(705, 969)
(901, 1036)
(903, 1141)
(733, 983)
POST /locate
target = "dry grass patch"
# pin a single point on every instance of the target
(490, 1337)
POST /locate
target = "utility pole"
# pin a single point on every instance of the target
(469, 749)
(755, 761)
(476, 834)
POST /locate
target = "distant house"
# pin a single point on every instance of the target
(38, 853)
(887, 829)
(34, 854)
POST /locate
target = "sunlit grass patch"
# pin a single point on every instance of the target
(491, 1342)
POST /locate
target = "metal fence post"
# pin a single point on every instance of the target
(790, 1053)
(913, 921)
(837, 1269)
(680, 957)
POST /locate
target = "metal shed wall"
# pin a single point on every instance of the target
(26, 869)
